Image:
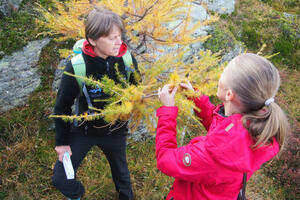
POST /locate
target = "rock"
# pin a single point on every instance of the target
(198, 13)
(7, 6)
(4, 8)
(58, 74)
(219, 6)
(19, 76)
(235, 51)
(288, 15)
(140, 134)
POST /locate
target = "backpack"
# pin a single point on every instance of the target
(79, 68)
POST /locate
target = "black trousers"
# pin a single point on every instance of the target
(114, 148)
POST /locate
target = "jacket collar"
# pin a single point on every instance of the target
(89, 50)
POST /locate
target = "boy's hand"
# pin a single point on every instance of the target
(166, 97)
(61, 150)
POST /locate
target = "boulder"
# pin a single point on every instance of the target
(219, 6)
(7, 6)
(19, 75)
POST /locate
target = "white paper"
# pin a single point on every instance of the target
(69, 170)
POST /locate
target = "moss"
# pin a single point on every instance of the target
(16, 31)
(292, 6)
(221, 40)
(263, 25)
(250, 36)
(288, 44)
(286, 47)
(48, 62)
(21, 27)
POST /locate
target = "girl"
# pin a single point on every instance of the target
(245, 131)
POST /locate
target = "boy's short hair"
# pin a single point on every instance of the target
(100, 21)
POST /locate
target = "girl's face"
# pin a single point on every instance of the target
(108, 45)
(222, 88)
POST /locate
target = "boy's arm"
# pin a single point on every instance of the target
(68, 91)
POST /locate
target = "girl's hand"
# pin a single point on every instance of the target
(166, 97)
(187, 86)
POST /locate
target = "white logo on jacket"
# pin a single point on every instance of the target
(187, 159)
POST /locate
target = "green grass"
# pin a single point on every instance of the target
(256, 23)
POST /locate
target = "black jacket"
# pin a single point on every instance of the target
(69, 90)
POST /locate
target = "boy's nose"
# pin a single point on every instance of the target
(119, 41)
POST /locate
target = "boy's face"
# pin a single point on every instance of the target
(108, 45)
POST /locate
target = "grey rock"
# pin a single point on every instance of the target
(219, 6)
(197, 13)
(288, 15)
(7, 6)
(58, 74)
(140, 134)
(4, 8)
(19, 75)
(235, 51)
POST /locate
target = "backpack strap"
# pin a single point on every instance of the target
(127, 59)
(79, 69)
(77, 48)
(242, 192)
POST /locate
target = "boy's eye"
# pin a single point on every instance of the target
(115, 37)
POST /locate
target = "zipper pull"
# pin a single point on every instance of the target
(107, 66)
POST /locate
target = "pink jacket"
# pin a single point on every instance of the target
(211, 166)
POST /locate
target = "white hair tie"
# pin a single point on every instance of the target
(268, 101)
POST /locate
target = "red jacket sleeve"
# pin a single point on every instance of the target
(206, 113)
(191, 162)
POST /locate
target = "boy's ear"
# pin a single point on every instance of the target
(229, 95)
(92, 42)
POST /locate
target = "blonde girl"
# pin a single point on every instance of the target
(245, 131)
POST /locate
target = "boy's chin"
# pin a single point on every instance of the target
(114, 54)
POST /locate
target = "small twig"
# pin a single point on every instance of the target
(145, 13)
(149, 95)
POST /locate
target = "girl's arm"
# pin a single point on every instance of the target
(203, 103)
(192, 162)
(206, 110)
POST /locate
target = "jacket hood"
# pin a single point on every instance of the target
(89, 50)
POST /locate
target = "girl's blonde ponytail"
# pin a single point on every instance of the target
(265, 124)
(256, 81)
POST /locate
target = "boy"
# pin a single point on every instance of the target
(101, 52)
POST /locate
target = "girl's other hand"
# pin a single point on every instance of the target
(166, 97)
(187, 86)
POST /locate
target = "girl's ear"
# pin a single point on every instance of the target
(229, 95)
